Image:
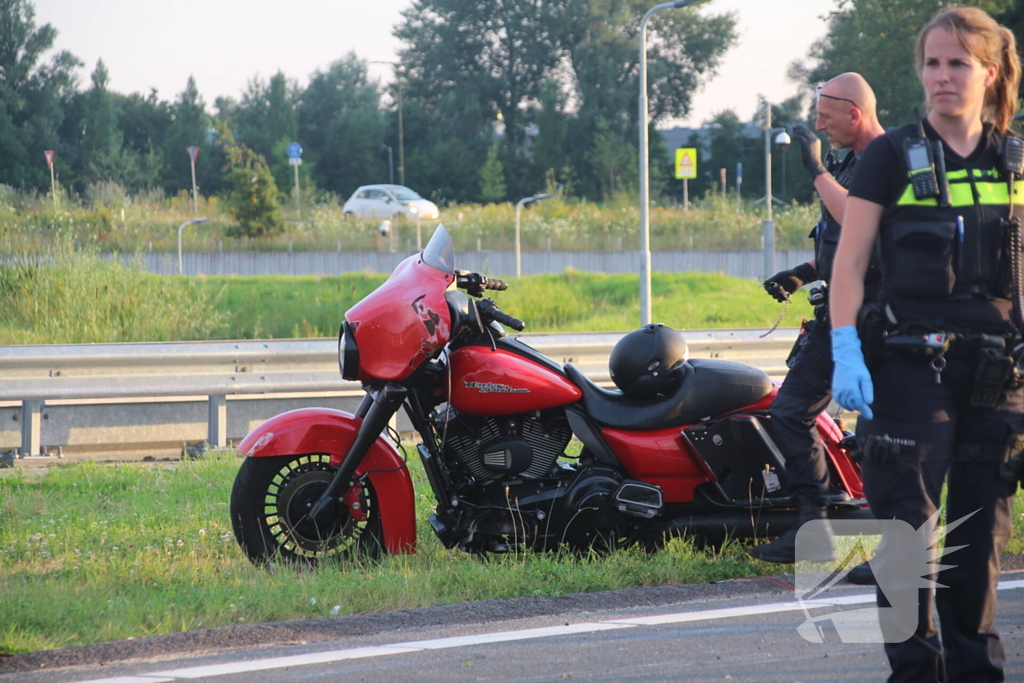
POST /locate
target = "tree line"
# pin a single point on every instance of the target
(499, 99)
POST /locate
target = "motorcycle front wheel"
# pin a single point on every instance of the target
(269, 505)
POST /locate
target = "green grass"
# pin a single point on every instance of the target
(75, 297)
(112, 221)
(93, 553)
(288, 307)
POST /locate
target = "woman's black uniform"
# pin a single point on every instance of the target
(945, 269)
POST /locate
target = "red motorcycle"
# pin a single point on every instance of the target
(495, 417)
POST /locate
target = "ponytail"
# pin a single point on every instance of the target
(1002, 94)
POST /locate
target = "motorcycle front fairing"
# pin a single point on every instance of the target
(405, 321)
(332, 432)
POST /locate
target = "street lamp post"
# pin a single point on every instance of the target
(182, 227)
(645, 227)
(401, 137)
(519, 205)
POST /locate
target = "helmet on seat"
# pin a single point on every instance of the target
(648, 362)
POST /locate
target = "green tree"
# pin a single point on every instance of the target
(267, 121)
(33, 97)
(253, 199)
(876, 38)
(101, 158)
(145, 122)
(341, 127)
(496, 51)
(613, 160)
(492, 176)
(191, 126)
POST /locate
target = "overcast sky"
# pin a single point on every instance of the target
(224, 43)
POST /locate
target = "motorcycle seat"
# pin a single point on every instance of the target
(709, 387)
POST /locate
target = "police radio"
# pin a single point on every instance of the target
(921, 167)
(1011, 154)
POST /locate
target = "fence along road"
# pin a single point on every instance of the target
(161, 396)
(737, 263)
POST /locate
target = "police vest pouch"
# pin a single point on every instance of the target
(921, 258)
(825, 246)
(992, 370)
(871, 326)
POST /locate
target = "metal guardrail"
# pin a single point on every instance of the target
(36, 380)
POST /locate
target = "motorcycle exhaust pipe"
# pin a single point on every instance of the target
(737, 524)
(741, 523)
(386, 402)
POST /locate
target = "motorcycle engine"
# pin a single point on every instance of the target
(493, 448)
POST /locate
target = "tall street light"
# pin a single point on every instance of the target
(645, 227)
(519, 205)
(182, 227)
(401, 138)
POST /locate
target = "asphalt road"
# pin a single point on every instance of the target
(738, 631)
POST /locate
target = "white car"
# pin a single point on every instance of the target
(389, 201)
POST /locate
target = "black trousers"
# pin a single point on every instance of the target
(804, 394)
(940, 433)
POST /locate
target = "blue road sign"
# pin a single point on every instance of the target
(294, 150)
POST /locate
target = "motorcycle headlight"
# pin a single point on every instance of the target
(348, 352)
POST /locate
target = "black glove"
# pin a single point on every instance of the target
(810, 150)
(785, 282)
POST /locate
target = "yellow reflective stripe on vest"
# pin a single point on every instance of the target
(993, 191)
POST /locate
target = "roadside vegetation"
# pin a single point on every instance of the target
(92, 553)
(573, 301)
(77, 297)
(111, 220)
(72, 296)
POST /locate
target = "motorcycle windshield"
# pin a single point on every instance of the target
(440, 252)
(405, 321)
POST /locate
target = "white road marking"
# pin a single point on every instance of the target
(486, 638)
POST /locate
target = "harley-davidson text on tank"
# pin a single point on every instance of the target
(493, 388)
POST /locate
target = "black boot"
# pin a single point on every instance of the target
(862, 575)
(822, 547)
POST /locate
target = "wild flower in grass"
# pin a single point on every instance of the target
(336, 610)
(202, 532)
(312, 601)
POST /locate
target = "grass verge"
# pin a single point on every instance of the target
(573, 301)
(93, 553)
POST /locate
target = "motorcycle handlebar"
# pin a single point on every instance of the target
(495, 284)
(490, 310)
(476, 283)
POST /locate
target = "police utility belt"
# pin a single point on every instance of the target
(995, 359)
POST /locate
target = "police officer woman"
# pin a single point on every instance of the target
(941, 395)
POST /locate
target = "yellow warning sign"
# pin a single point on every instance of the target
(686, 163)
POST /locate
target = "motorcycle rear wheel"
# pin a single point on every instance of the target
(269, 502)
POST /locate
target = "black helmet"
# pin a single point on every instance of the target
(647, 363)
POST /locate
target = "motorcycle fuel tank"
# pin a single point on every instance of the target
(488, 381)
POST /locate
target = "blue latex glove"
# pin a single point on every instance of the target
(851, 381)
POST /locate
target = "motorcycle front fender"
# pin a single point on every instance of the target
(331, 432)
